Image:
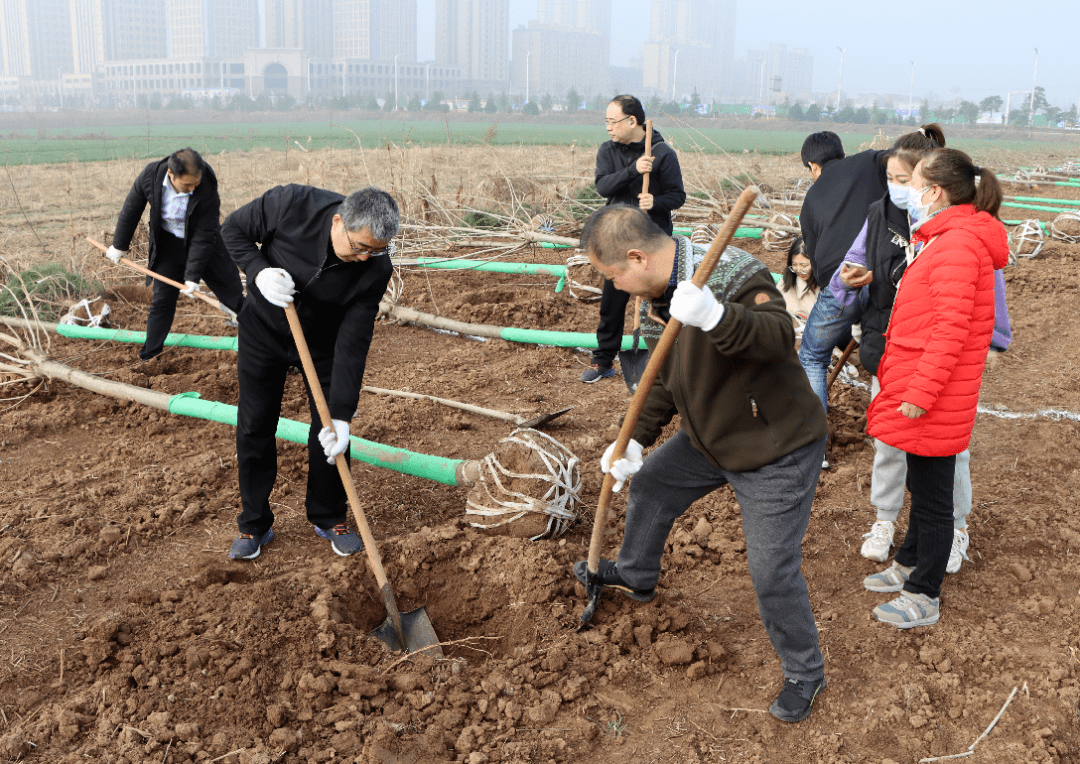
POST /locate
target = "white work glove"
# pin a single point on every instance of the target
(276, 286)
(334, 439)
(628, 465)
(190, 289)
(695, 307)
(115, 254)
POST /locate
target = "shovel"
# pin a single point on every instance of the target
(410, 631)
(656, 360)
(520, 421)
(840, 364)
(633, 361)
(147, 272)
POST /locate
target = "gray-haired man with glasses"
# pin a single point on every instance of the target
(326, 254)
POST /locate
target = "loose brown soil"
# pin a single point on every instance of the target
(128, 636)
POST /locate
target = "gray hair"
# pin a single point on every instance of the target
(614, 230)
(374, 209)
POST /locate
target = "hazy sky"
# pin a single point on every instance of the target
(983, 49)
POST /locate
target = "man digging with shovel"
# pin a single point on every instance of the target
(182, 192)
(749, 419)
(326, 254)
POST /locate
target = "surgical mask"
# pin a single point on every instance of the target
(899, 195)
(917, 211)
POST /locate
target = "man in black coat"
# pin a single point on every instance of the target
(328, 255)
(185, 244)
(833, 214)
(620, 165)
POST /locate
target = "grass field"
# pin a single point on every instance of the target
(54, 145)
(51, 145)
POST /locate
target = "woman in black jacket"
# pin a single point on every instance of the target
(876, 261)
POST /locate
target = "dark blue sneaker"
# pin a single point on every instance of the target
(343, 541)
(608, 573)
(796, 698)
(596, 372)
(248, 547)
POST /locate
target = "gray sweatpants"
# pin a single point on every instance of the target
(774, 501)
(889, 477)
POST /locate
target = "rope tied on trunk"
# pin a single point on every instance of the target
(584, 292)
(529, 475)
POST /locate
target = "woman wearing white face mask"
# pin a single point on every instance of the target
(930, 373)
(876, 262)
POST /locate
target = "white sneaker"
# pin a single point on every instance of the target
(825, 464)
(879, 540)
(960, 541)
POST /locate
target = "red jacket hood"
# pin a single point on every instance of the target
(982, 225)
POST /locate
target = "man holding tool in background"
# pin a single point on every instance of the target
(185, 241)
(328, 254)
(621, 165)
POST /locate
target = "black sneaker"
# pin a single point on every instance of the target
(596, 372)
(248, 547)
(796, 698)
(343, 541)
(610, 579)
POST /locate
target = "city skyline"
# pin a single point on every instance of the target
(723, 49)
(971, 48)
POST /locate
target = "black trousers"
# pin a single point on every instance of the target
(170, 260)
(929, 536)
(612, 317)
(263, 361)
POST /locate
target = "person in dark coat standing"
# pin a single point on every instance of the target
(328, 255)
(185, 242)
(832, 215)
(620, 165)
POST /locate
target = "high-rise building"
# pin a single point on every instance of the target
(131, 29)
(375, 29)
(473, 34)
(307, 24)
(551, 59)
(776, 73)
(36, 38)
(690, 47)
(212, 28)
(587, 15)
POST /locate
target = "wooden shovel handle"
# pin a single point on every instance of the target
(648, 153)
(840, 364)
(136, 267)
(343, 468)
(652, 369)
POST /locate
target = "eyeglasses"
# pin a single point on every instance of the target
(364, 249)
(613, 122)
(800, 268)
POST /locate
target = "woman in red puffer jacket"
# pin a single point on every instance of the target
(935, 351)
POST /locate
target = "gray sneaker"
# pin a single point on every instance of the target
(909, 610)
(892, 579)
(248, 547)
(343, 541)
(595, 373)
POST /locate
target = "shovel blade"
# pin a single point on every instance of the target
(418, 632)
(545, 418)
(633, 362)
